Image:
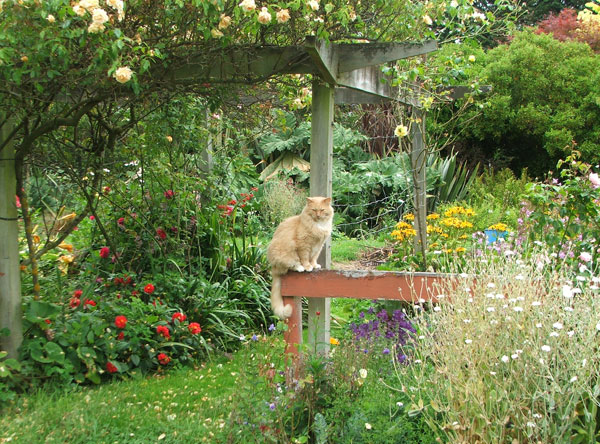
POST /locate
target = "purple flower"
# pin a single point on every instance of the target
(254, 337)
(272, 406)
(386, 351)
(271, 327)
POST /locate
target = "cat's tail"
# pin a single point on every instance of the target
(280, 310)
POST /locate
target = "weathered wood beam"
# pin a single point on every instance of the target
(325, 59)
(360, 55)
(371, 80)
(345, 95)
(10, 275)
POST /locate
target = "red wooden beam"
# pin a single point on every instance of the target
(409, 287)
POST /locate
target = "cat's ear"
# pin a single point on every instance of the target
(327, 201)
(310, 200)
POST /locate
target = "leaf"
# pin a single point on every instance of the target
(93, 376)
(40, 310)
(55, 352)
(135, 360)
(167, 344)
(285, 162)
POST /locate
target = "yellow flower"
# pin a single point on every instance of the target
(460, 249)
(402, 225)
(401, 131)
(499, 227)
(471, 58)
(51, 18)
(427, 20)
(334, 341)
(216, 33)
(433, 216)
(409, 216)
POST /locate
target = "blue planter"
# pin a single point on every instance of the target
(493, 235)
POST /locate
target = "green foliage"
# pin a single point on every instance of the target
(543, 103)
(563, 213)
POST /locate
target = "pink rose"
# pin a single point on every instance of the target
(595, 180)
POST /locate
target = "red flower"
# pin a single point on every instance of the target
(194, 328)
(169, 194)
(89, 302)
(254, 189)
(118, 281)
(77, 293)
(104, 252)
(74, 302)
(149, 289)
(48, 321)
(232, 202)
(318, 313)
(18, 202)
(163, 330)
(106, 190)
(179, 316)
(120, 321)
(135, 293)
(121, 221)
(110, 367)
(121, 336)
(161, 233)
(163, 359)
(92, 217)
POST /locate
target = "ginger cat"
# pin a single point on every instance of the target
(296, 245)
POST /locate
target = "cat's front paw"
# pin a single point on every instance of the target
(298, 268)
(309, 268)
(317, 266)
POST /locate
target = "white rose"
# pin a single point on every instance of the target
(51, 18)
(264, 16)
(123, 74)
(99, 15)
(313, 4)
(224, 22)
(401, 131)
(427, 20)
(283, 16)
(216, 33)
(248, 5)
(95, 27)
(89, 5)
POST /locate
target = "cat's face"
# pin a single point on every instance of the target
(319, 208)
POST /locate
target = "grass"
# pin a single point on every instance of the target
(188, 405)
(347, 250)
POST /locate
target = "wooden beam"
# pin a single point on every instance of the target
(345, 95)
(361, 284)
(359, 55)
(321, 179)
(371, 80)
(325, 59)
(10, 274)
(418, 160)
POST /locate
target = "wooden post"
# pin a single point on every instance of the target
(418, 160)
(321, 161)
(10, 278)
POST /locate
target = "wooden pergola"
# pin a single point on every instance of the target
(343, 73)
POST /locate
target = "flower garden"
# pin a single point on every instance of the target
(143, 190)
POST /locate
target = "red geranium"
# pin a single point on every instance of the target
(110, 367)
(163, 330)
(120, 321)
(179, 316)
(48, 321)
(149, 289)
(121, 336)
(89, 302)
(194, 328)
(163, 359)
(121, 221)
(77, 293)
(169, 194)
(104, 252)
(74, 302)
(161, 233)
